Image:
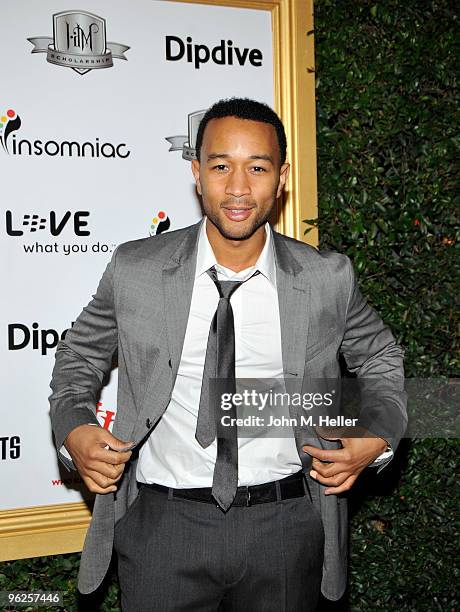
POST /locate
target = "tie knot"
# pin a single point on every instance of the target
(226, 288)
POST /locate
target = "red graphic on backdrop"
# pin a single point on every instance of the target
(106, 417)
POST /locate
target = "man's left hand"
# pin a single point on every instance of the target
(338, 469)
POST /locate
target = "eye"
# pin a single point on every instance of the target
(258, 169)
(219, 167)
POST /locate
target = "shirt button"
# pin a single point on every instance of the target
(169, 363)
(148, 423)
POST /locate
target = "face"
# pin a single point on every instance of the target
(239, 175)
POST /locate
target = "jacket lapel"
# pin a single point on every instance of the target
(178, 279)
(294, 303)
(293, 298)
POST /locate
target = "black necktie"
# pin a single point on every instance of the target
(219, 378)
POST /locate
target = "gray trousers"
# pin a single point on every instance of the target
(177, 554)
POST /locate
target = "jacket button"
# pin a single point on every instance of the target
(169, 363)
(148, 423)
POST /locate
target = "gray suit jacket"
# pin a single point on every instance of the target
(140, 312)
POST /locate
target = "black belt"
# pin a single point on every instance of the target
(286, 488)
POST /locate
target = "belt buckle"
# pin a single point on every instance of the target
(248, 497)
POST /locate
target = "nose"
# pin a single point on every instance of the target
(238, 184)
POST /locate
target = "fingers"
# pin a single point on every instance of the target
(334, 455)
(99, 466)
(335, 484)
(96, 453)
(335, 469)
(328, 469)
(102, 481)
(110, 456)
(95, 488)
(331, 481)
(113, 472)
(342, 488)
(100, 476)
(118, 445)
(338, 469)
(84, 440)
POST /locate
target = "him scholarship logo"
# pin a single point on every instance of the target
(160, 223)
(79, 42)
(187, 144)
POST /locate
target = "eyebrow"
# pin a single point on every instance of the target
(263, 156)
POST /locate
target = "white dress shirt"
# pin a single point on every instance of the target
(172, 456)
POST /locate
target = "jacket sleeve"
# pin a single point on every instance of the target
(371, 352)
(82, 361)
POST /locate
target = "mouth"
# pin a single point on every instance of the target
(237, 213)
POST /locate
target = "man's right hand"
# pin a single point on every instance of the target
(100, 467)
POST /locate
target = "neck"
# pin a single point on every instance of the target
(236, 255)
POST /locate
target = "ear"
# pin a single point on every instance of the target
(284, 174)
(196, 174)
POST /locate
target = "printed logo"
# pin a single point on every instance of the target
(79, 42)
(160, 223)
(187, 144)
(10, 447)
(223, 54)
(72, 481)
(104, 416)
(55, 223)
(10, 122)
(21, 336)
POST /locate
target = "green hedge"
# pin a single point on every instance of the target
(387, 104)
(387, 140)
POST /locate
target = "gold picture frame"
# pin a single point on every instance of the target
(61, 528)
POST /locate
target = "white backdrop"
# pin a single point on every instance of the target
(64, 207)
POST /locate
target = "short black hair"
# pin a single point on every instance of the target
(243, 108)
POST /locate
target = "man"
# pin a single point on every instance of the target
(246, 523)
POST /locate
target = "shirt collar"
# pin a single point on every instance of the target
(265, 264)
